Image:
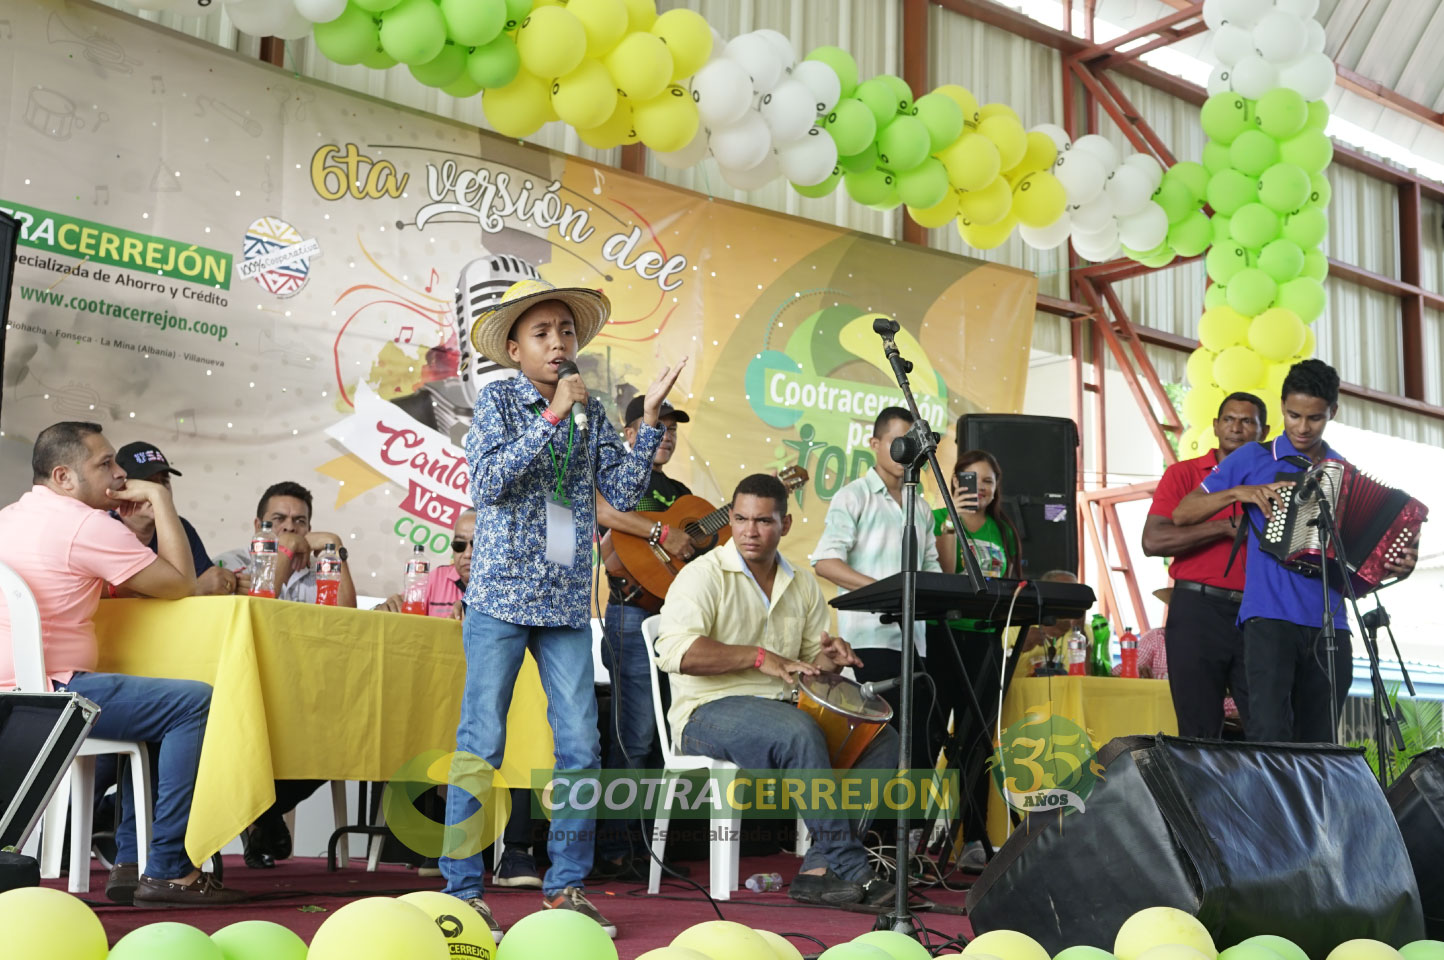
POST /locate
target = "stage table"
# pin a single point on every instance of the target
(308, 692)
(1106, 707)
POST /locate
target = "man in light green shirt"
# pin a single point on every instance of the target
(738, 628)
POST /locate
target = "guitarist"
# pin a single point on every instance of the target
(624, 652)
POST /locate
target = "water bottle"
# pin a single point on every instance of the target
(263, 562)
(413, 591)
(1077, 654)
(764, 882)
(1128, 646)
(328, 576)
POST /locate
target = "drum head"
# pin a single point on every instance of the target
(840, 695)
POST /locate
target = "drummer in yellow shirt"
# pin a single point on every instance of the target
(738, 629)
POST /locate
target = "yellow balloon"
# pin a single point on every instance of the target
(1238, 368)
(1200, 367)
(673, 953)
(989, 237)
(1039, 154)
(965, 101)
(987, 206)
(1222, 327)
(1310, 343)
(519, 108)
(999, 110)
(641, 65)
(1276, 334)
(1363, 950)
(669, 121)
(641, 14)
(936, 216)
(41, 922)
(605, 22)
(378, 927)
(781, 946)
(1039, 199)
(1006, 945)
(723, 940)
(1196, 441)
(620, 128)
(688, 37)
(586, 97)
(551, 41)
(458, 921)
(1160, 925)
(1008, 136)
(972, 161)
(1200, 406)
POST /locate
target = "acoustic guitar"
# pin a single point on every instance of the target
(646, 571)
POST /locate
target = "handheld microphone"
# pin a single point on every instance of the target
(579, 410)
(875, 688)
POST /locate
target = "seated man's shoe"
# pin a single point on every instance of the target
(639, 869)
(604, 869)
(974, 858)
(479, 905)
(826, 888)
(258, 857)
(878, 892)
(120, 888)
(430, 867)
(572, 898)
(204, 891)
(517, 870)
(277, 838)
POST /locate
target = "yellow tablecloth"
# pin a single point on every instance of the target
(307, 692)
(1106, 707)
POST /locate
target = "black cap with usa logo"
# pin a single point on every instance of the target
(141, 461)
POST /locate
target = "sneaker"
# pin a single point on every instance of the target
(479, 905)
(572, 898)
(826, 888)
(120, 888)
(429, 868)
(973, 860)
(204, 891)
(517, 870)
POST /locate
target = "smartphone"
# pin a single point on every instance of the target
(968, 482)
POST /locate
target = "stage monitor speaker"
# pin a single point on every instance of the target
(39, 736)
(9, 240)
(1417, 799)
(1294, 840)
(1039, 459)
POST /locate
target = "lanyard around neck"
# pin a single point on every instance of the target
(559, 490)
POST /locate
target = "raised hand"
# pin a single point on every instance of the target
(839, 651)
(657, 392)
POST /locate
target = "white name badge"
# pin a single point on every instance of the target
(561, 533)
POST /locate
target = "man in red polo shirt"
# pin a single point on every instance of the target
(1203, 640)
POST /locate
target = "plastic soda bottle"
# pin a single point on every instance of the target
(1128, 646)
(1077, 654)
(413, 591)
(263, 562)
(328, 576)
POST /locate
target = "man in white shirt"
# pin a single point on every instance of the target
(287, 505)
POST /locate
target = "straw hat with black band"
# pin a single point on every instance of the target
(589, 309)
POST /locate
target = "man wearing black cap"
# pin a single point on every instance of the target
(144, 461)
(624, 652)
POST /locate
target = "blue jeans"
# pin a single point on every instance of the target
(759, 734)
(170, 715)
(633, 724)
(494, 651)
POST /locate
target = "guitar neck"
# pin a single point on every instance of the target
(715, 521)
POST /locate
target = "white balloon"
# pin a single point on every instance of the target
(1220, 80)
(158, 6)
(1314, 38)
(755, 55)
(755, 177)
(1099, 245)
(1231, 44)
(822, 81)
(1053, 132)
(320, 11)
(1148, 166)
(789, 111)
(723, 92)
(1129, 190)
(1092, 216)
(1046, 238)
(1254, 76)
(1279, 37)
(1303, 9)
(1144, 230)
(1081, 174)
(1101, 149)
(809, 161)
(782, 46)
(1098, 254)
(1242, 13)
(1312, 76)
(268, 18)
(743, 145)
(689, 156)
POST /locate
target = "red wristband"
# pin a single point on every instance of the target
(666, 531)
(761, 656)
(282, 548)
(550, 417)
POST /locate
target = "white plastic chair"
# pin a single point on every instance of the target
(77, 789)
(725, 846)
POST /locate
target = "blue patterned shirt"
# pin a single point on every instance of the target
(512, 477)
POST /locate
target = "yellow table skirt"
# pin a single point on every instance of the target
(307, 692)
(1106, 707)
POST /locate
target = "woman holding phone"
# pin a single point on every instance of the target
(977, 492)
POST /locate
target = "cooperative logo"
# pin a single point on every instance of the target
(1045, 762)
(277, 257)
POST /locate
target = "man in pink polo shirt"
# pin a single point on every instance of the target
(60, 540)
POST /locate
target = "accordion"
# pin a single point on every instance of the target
(1375, 524)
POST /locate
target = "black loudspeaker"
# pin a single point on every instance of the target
(1294, 840)
(1039, 457)
(1417, 799)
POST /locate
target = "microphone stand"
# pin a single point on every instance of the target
(916, 447)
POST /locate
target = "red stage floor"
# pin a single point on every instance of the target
(299, 894)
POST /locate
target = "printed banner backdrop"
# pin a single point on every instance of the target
(257, 273)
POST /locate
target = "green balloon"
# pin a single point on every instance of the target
(462, 87)
(348, 38)
(861, 161)
(1252, 152)
(1284, 948)
(841, 63)
(1224, 116)
(1303, 296)
(1230, 190)
(1161, 259)
(1225, 261)
(1215, 296)
(897, 946)
(1320, 190)
(472, 23)
(1306, 227)
(448, 66)
(516, 11)
(379, 59)
(375, 6)
(821, 189)
(259, 940)
(413, 31)
(924, 185)
(1316, 265)
(1251, 291)
(1084, 953)
(852, 125)
(1193, 176)
(167, 941)
(943, 118)
(1318, 116)
(1282, 259)
(1191, 235)
(1281, 113)
(495, 64)
(1215, 158)
(1249, 951)
(880, 99)
(1310, 149)
(1221, 229)
(904, 144)
(874, 188)
(902, 93)
(1423, 950)
(1254, 225)
(1283, 188)
(1175, 199)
